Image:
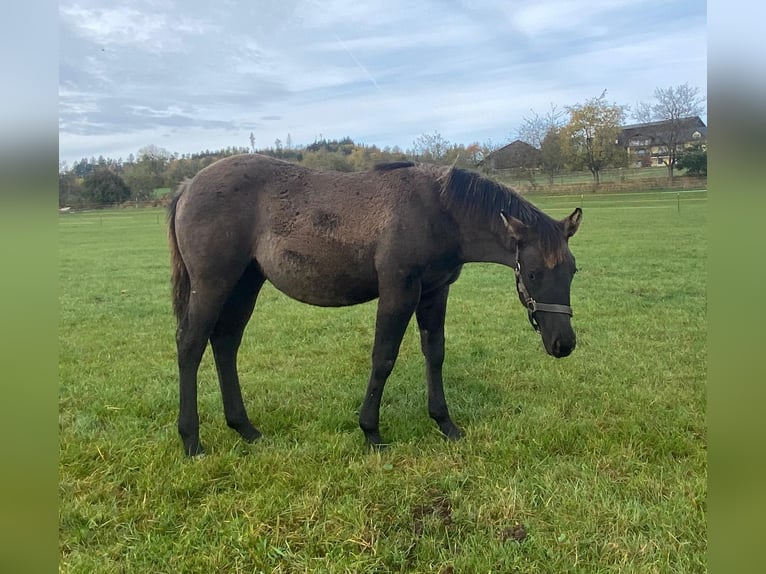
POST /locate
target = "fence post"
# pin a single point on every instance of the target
(678, 198)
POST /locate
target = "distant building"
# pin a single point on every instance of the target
(515, 155)
(648, 144)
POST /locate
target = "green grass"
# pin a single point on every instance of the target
(600, 457)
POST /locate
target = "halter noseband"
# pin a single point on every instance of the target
(532, 305)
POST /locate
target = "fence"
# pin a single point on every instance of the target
(611, 180)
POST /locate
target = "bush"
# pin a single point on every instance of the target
(694, 162)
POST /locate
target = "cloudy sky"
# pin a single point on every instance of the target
(189, 76)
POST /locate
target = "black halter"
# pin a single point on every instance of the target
(532, 305)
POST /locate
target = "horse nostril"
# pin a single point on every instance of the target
(563, 348)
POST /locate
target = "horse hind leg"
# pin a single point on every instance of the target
(225, 340)
(430, 315)
(395, 306)
(191, 340)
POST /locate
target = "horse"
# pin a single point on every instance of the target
(399, 232)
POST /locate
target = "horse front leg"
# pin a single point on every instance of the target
(395, 308)
(430, 314)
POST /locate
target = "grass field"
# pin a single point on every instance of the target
(593, 463)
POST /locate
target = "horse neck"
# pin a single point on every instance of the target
(482, 241)
(475, 203)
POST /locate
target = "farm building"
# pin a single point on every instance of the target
(515, 155)
(648, 143)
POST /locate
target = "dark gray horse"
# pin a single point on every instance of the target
(400, 232)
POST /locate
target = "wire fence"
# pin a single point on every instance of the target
(610, 181)
(619, 180)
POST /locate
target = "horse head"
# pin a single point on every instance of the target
(544, 269)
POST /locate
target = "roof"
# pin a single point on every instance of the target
(516, 154)
(661, 130)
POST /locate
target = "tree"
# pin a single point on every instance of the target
(103, 187)
(590, 137)
(70, 189)
(534, 128)
(672, 105)
(430, 147)
(148, 172)
(642, 113)
(552, 158)
(83, 167)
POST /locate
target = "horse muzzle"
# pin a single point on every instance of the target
(563, 342)
(562, 346)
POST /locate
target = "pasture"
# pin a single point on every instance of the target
(592, 463)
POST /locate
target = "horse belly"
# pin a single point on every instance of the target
(326, 274)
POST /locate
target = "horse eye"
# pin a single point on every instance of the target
(531, 276)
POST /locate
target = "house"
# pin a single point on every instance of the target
(647, 144)
(515, 155)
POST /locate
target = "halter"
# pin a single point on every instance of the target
(532, 305)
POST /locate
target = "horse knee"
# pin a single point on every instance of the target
(382, 369)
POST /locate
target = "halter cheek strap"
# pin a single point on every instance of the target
(532, 305)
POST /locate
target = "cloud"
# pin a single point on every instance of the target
(132, 27)
(191, 74)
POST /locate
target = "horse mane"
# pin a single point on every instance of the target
(393, 165)
(482, 200)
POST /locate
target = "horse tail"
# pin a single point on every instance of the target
(179, 274)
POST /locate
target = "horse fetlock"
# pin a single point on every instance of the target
(448, 428)
(245, 429)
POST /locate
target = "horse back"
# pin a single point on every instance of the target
(320, 237)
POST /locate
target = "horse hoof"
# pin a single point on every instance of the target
(246, 430)
(251, 436)
(375, 442)
(195, 451)
(452, 433)
(456, 436)
(378, 447)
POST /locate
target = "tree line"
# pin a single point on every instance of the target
(579, 137)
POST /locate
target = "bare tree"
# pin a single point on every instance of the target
(678, 102)
(534, 128)
(642, 113)
(431, 147)
(672, 105)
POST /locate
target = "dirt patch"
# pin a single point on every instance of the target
(439, 507)
(437, 511)
(516, 533)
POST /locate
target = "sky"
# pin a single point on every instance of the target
(190, 76)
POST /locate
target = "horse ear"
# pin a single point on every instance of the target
(514, 226)
(571, 224)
